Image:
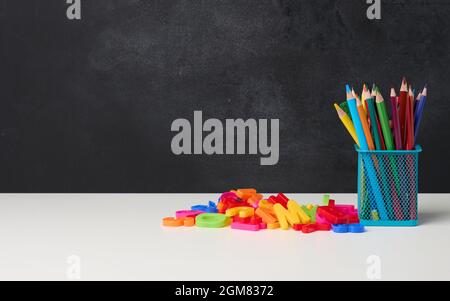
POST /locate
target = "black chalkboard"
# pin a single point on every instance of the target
(87, 105)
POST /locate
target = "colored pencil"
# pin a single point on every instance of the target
(344, 106)
(366, 209)
(384, 121)
(402, 111)
(419, 113)
(373, 120)
(363, 99)
(409, 121)
(419, 96)
(416, 106)
(364, 96)
(355, 117)
(382, 175)
(347, 123)
(397, 208)
(395, 120)
(378, 127)
(410, 146)
(365, 125)
(369, 165)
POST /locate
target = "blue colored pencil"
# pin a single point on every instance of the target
(418, 118)
(351, 101)
(368, 164)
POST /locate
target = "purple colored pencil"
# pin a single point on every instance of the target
(420, 106)
(416, 105)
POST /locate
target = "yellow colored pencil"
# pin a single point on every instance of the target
(364, 97)
(347, 123)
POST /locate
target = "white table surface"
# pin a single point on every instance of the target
(120, 237)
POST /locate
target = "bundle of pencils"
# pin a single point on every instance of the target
(390, 192)
(367, 118)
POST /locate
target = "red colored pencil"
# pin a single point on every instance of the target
(395, 121)
(402, 110)
(409, 121)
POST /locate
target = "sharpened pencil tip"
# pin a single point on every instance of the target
(339, 111)
(378, 97)
(347, 89)
(404, 87)
(393, 92)
(366, 94)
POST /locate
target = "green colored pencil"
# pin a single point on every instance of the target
(373, 119)
(384, 121)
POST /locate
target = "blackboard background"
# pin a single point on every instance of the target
(86, 106)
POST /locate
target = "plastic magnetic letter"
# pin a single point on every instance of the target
(172, 222)
(285, 218)
(273, 226)
(297, 227)
(325, 199)
(203, 208)
(332, 215)
(266, 216)
(321, 220)
(189, 221)
(245, 193)
(254, 200)
(265, 204)
(340, 228)
(323, 227)
(211, 220)
(294, 208)
(356, 228)
(311, 211)
(248, 227)
(229, 196)
(309, 228)
(187, 213)
(242, 211)
(243, 220)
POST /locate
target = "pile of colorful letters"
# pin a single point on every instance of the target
(245, 209)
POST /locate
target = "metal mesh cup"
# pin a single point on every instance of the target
(388, 187)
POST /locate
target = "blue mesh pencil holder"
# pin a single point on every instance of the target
(388, 187)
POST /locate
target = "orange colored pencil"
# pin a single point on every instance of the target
(364, 101)
(363, 117)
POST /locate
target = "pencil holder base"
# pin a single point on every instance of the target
(411, 223)
(388, 187)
